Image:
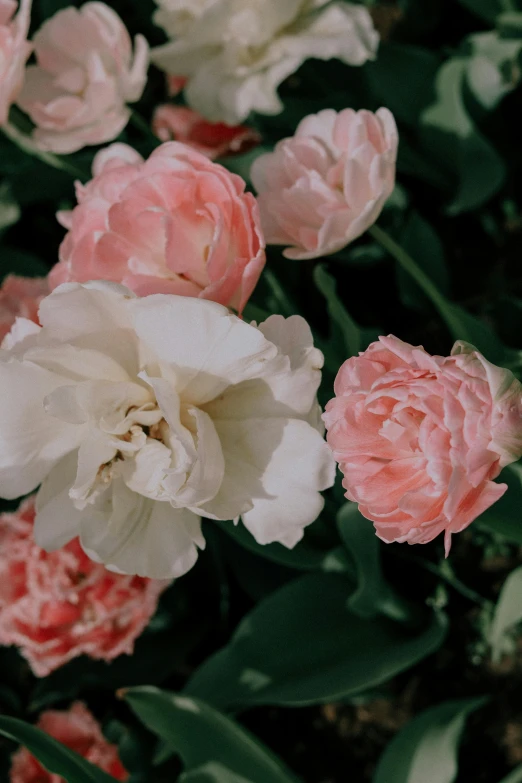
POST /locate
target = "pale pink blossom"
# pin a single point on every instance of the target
(20, 298)
(323, 187)
(420, 438)
(77, 729)
(213, 139)
(85, 76)
(175, 223)
(57, 606)
(14, 51)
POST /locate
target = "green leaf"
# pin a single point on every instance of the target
(212, 773)
(358, 536)
(304, 556)
(324, 651)
(200, 734)
(504, 518)
(54, 756)
(425, 751)
(9, 209)
(508, 613)
(449, 135)
(486, 9)
(422, 243)
(349, 330)
(159, 654)
(515, 776)
(401, 78)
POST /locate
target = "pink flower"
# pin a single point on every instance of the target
(14, 51)
(419, 438)
(77, 729)
(213, 139)
(20, 297)
(322, 188)
(60, 605)
(85, 76)
(175, 223)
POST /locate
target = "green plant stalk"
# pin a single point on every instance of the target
(442, 304)
(24, 143)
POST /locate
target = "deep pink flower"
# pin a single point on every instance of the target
(213, 139)
(56, 606)
(77, 729)
(419, 438)
(175, 224)
(20, 297)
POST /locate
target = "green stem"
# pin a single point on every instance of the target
(445, 573)
(25, 143)
(421, 278)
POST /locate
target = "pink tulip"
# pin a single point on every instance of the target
(14, 51)
(57, 606)
(175, 223)
(325, 186)
(420, 438)
(86, 73)
(78, 730)
(213, 139)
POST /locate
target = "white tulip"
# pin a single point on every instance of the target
(236, 53)
(139, 416)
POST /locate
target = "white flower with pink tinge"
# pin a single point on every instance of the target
(86, 74)
(323, 187)
(142, 415)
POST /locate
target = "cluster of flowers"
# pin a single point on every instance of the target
(136, 397)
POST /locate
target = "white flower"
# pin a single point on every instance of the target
(141, 415)
(235, 53)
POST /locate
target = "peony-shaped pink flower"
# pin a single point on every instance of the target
(213, 139)
(20, 298)
(14, 51)
(420, 438)
(78, 729)
(57, 606)
(324, 187)
(175, 223)
(85, 75)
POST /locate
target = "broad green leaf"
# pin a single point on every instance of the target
(301, 645)
(514, 777)
(422, 243)
(54, 756)
(425, 751)
(449, 135)
(508, 612)
(505, 518)
(212, 773)
(200, 734)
